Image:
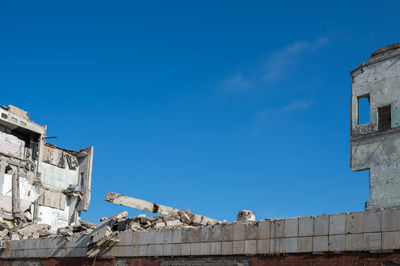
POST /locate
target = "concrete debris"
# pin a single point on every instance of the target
(157, 208)
(246, 215)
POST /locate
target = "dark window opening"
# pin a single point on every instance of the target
(82, 178)
(384, 118)
(363, 110)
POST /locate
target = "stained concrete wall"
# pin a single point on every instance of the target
(372, 150)
(376, 231)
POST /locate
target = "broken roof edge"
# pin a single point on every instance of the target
(380, 55)
(73, 152)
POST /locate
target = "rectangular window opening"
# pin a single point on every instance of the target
(363, 110)
(384, 118)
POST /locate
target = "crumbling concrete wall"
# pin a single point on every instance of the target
(375, 146)
(39, 182)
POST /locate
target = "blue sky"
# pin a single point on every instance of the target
(214, 106)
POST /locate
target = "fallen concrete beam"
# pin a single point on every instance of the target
(152, 207)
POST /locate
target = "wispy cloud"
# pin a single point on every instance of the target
(282, 62)
(297, 105)
(236, 83)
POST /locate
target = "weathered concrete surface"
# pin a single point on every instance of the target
(375, 147)
(371, 231)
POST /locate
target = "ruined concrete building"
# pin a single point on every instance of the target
(39, 182)
(375, 141)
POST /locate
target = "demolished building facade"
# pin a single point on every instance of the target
(375, 144)
(39, 182)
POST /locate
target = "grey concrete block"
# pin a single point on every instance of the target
(372, 221)
(390, 241)
(216, 248)
(291, 227)
(320, 244)
(321, 225)
(215, 233)
(195, 249)
(206, 249)
(155, 250)
(277, 228)
(372, 242)
(136, 238)
(250, 246)
(168, 250)
(250, 231)
(176, 249)
(168, 236)
(227, 232)
(306, 226)
(354, 242)
(305, 244)
(227, 248)
(238, 247)
(337, 243)
(205, 234)
(264, 228)
(354, 223)
(143, 250)
(158, 237)
(147, 237)
(177, 235)
(277, 245)
(185, 249)
(195, 235)
(290, 245)
(337, 224)
(390, 220)
(238, 231)
(263, 246)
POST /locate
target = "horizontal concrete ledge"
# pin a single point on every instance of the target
(374, 231)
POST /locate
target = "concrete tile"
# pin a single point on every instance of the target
(290, 245)
(136, 238)
(206, 249)
(291, 227)
(337, 243)
(354, 242)
(195, 249)
(354, 223)
(372, 221)
(321, 225)
(186, 235)
(305, 244)
(277, 228)
(238, 231)
(250, 246)
(390, 220)
(263, 230)
(177, 235)
(276, 245)
(337, 224)
(185, 249)
(216, 248)
(372, 242)
(215, 233)
(176, 249)
(168, 236)
(390, 241)
(205, 234)
(147, 237)
(306, 226)
(227, 248)
(168, 249)
(135, 250)
(238, 247)
(320, 244)
(195, 235)
(250, 231)
(155, 250)
(227, 232)
(263, 246)
(143, 250)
